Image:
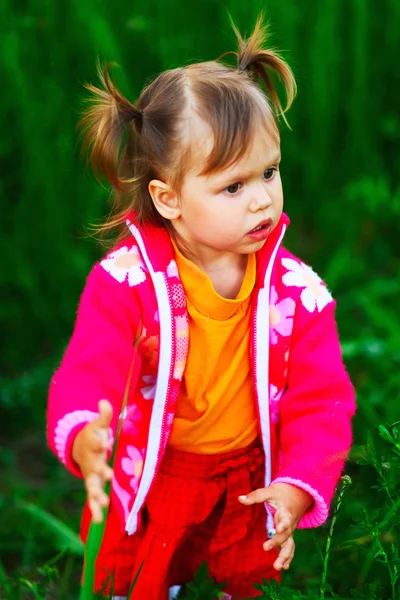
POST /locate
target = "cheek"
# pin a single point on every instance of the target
(204, 210)
(277, 191)
(279, 188)
(200, 213)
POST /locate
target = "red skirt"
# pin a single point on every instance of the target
(192, 514)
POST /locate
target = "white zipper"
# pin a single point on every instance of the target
(162, 385)
(261, 335)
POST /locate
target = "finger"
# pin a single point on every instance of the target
(96, 466)
(100, 498)
(256, 497)
(284, 560)
(285, 525)
(94, 487)
(285, 555)
(99, 495)
(106, 473)
(93, 484)
(105, 415)
(278, 540)
(100, 466)
(95, 509)
(283, 520)
(97, 440)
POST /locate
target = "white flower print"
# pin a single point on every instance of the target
(274, 397)
(125, 264)
(172, 269)
(280, 316)
(315, 295)
(149, 391)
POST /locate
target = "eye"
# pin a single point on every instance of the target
(269, 173)
(233, 188)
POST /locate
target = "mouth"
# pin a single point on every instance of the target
(261, 232)
(262, 225)
(266, 224)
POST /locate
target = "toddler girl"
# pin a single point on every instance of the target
(238, 415)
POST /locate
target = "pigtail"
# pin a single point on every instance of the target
(254, 59)
(103, 124)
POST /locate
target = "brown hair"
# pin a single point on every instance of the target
(228, 98)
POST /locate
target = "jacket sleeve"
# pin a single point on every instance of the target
(316, 410)
(96, 363)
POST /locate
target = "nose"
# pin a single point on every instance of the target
(260, 198)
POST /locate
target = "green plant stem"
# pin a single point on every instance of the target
(4, 581)
(345, 482)
(392, 568)
(96, 530)
(369, 561)
(69, 565)
(382, 480)
(391, 565)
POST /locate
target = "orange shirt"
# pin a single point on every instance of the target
(216, 409)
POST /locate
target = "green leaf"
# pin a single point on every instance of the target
(63, 536)
(93, 543)
(385, 434)
(328, 587)
(371, 445)
(135, 580)
(395, 433)
(202, 572)
(4, 580)
(204, 586)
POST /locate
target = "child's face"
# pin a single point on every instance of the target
(218, 212)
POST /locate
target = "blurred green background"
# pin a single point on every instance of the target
(340, 175)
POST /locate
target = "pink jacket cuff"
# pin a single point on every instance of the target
(66, 430)
(318, 513)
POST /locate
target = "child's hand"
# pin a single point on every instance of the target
(290, 504)
(89, 451)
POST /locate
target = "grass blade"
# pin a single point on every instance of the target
(64, 537)
(96, 530)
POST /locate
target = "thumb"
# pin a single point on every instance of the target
(105, 414)
(258, 496)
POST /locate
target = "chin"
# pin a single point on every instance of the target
(258, 245)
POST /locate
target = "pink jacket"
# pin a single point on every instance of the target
(304, 396)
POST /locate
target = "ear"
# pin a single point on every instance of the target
(164, 199)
